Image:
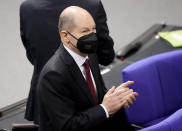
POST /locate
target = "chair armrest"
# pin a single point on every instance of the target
(137, 126)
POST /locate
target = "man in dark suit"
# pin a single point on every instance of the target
(40, 36)
(72, 94)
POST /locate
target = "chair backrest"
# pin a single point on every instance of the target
(158, 80)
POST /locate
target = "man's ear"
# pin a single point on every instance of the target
(63, 35)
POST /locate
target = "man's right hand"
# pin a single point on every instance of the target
(118, 98)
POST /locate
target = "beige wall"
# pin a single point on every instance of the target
(15, 70)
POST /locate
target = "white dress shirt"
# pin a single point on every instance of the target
(79, 61)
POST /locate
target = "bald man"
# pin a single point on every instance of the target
(40, 37)
(72, 95)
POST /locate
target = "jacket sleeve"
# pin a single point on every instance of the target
(29, 48)
(105, 52)
(54, 98)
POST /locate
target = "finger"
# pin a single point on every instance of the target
(128, 83)
(125, 85)
(132, 96)
(130, 101)
(126, 105)
(120, 88)
(125, 94)
(113, 86)
(136, 94)
(129, 97)
(120, 91)
(111, 90)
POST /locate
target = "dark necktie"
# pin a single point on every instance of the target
(89, 80)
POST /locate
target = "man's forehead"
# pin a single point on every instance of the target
(87, 27)
(84, 20)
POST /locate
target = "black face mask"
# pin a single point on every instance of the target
(87, 43)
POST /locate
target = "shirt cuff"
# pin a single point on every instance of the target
(107, 114)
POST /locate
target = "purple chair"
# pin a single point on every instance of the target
(158, 80)
(172, 123)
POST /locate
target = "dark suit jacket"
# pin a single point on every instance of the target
(40, 36)
(66, 103)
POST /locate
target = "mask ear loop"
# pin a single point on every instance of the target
(74, 38)
(72, 35)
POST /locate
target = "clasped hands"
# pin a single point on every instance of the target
(120, 97)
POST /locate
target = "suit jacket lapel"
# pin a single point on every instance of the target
(78, 77)
(100, 91)
(76, 73)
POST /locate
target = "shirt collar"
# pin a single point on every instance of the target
(78, 59)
